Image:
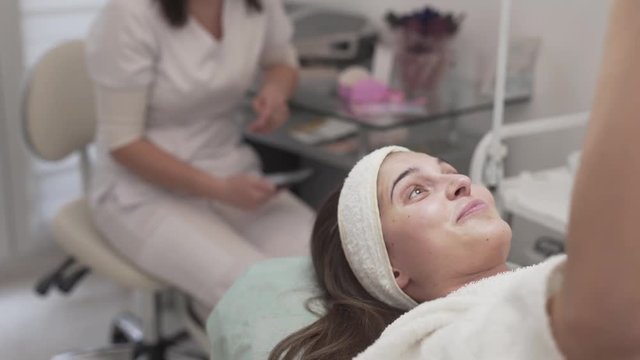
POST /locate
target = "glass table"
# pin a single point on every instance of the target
(430, 126)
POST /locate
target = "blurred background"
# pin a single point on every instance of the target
(567, 37)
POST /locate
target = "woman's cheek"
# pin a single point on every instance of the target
(483, 193)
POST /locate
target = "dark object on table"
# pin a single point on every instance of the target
(324, 36)
(426, 22)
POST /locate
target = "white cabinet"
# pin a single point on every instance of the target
(46, 23)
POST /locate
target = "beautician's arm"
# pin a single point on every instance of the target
(270, 105)
(597, 313)
(282, 77)
(155, 165)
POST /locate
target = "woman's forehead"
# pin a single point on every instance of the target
(396, 164)
(399, 161)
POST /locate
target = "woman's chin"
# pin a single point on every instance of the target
(486, 226)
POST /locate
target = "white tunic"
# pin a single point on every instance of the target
(178, 88)
(192, 83)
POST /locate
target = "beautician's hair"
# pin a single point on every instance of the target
(353, 319)
(175, 11)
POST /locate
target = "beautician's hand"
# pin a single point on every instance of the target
(247, 192)
(271, 108)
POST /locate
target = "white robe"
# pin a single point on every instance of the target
(501, 317)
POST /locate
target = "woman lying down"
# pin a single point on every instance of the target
(411, 257)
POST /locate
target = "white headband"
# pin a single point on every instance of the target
(361, 231)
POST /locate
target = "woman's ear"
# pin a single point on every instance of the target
(402, 279)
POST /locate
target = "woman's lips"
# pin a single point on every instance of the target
(471, 208)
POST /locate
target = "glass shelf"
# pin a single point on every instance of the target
(453, 97)
(426, 137)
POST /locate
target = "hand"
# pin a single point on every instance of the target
(271, 108)
(247, 192)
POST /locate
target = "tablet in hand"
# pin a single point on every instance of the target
(288, 178)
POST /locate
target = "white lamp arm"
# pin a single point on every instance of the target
(494, 171)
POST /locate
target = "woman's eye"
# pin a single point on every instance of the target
(417, 191)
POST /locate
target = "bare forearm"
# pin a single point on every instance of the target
(284, 78)
(601, 294)
(160, 168)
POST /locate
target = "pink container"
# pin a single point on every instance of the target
(366, 90)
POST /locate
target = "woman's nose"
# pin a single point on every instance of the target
(459, 186)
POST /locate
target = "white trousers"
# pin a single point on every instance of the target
(200, 246)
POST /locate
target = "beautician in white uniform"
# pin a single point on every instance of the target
(175, 188)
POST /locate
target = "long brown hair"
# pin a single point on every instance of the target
(176, 14)
(353, 319)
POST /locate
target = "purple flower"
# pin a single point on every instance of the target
(426, 22)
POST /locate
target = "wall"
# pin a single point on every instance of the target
(35, 189)
(4, 187)
(11, 148)
(571, 33)
(46, 23)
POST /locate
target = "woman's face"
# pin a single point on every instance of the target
(441, 231)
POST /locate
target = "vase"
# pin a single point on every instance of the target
(420, 62)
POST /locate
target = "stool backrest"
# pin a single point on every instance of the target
(58, 103)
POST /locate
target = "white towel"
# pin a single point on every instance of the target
(501, 317)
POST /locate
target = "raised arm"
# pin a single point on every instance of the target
(596, 315)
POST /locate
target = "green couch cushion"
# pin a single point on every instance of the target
(262, 307)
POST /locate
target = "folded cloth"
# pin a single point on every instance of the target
(500, 317)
